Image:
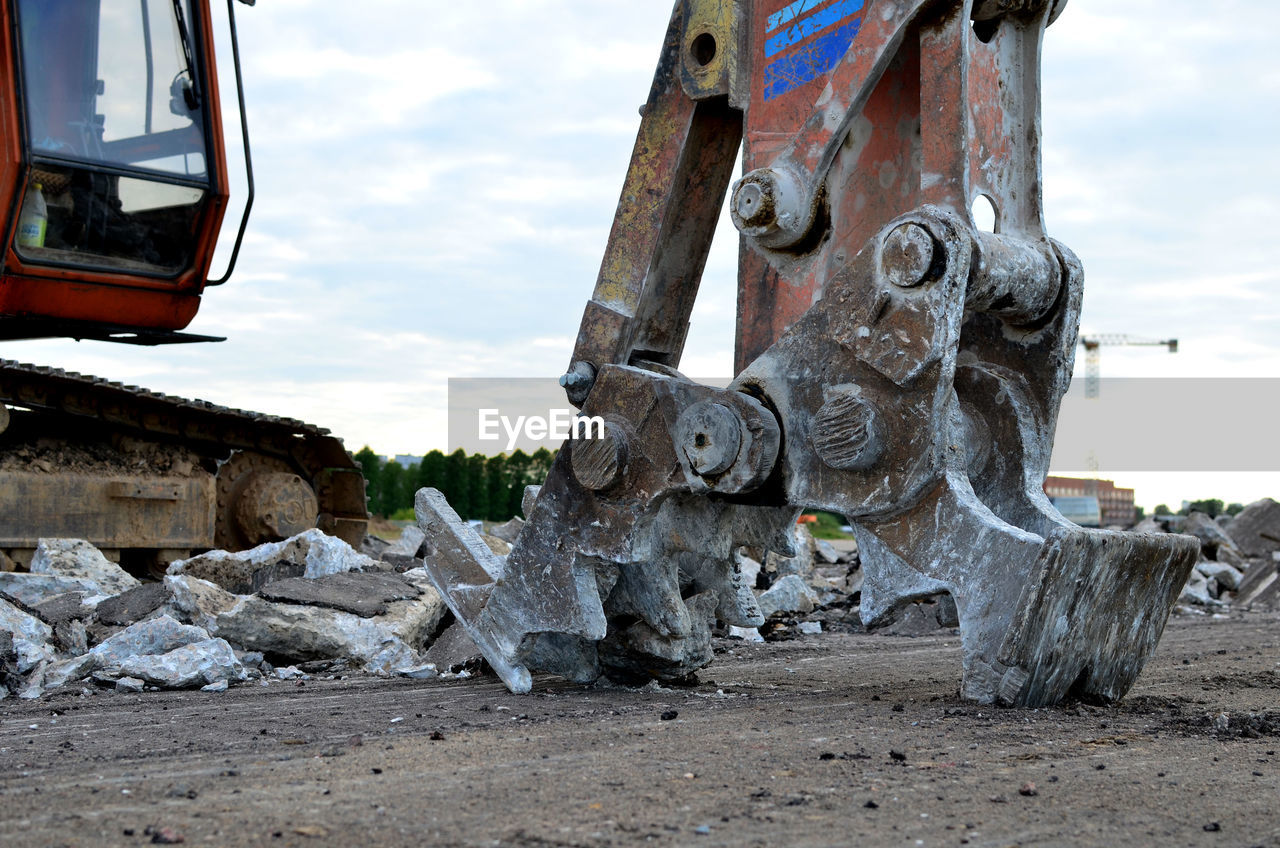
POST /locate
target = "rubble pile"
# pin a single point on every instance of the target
(1239, 556)
(313, 605)
(281, 610)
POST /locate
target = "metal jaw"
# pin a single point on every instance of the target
(926, 423)
(914, 389)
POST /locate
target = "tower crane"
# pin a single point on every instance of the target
(1092, 345)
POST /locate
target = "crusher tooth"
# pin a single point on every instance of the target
(149, 478)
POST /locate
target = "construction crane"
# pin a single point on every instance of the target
(1093, 344)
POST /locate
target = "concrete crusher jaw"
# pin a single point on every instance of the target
(913, 388)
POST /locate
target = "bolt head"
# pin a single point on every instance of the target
(710, 436)
(599, 464)
(907, 255)
(846, 432)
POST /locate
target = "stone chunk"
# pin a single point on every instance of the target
(80, 561)
(1256, 530)
(197, 664)
(825, 551)
(366, 595)
(389, 642)
(61, 673)
(198, 601)
(30, 636)
(309, 554)
(1212, 539)
(1227, 576)
(801, 563)
(133, 605)
(508, 531)
(789, 594)
(153, 636)
(453, 649)
(58, 609)
(34, 589)
(409, 543)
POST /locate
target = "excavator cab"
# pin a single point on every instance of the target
(113, 188)
(113, 178)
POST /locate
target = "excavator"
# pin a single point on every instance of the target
(896, 364)
(114, 182)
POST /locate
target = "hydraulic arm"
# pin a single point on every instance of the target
(896, 365)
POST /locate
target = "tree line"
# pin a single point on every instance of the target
(477, 486)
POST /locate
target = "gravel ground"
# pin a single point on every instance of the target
(826, 740)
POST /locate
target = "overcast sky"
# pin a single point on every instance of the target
(436, 183)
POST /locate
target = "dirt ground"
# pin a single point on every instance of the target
(826, 740)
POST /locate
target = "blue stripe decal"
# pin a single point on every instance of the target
(819, 20)
(790, 13)
(810, 61)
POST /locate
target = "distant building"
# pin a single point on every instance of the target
(1115, 503)
(405, 460)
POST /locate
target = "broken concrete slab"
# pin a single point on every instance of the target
(198, 601)
(152, 636)
(507, 531)
(309, 554)
(71, 637)
(373, 546)
(1197, 591)
(30, 636)
(917, 619)
(365, 595)
(1212, 539)
(33, 589)
(132, 606)
(826, 552)
(453, 650)
(386, 643)
(1228, 577)
(57, 609)
(800, 563)
(789, 594)
(196, 664)
(409, 544)
(1256, 530)
(58, 673)
(78, 560)
(1258, 581)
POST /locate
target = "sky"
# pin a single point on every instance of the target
(436, 182)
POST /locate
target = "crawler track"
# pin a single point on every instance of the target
(206, 428)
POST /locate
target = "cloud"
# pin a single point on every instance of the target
(436, 184)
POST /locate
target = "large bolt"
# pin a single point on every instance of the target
(577, 382)
(907, 255)
(600, 462)
(767, 205)
(710, 434)
(846, 432)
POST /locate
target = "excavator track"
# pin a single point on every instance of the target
(288, 455)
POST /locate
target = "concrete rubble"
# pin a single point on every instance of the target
(312, 605)
(1239, 557)
(216, 619)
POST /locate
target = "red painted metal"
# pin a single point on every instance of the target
(116, 299)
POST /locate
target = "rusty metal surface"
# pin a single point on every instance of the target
(118, 511)
(209, 430)
(896, 366)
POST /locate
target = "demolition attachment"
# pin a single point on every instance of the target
(913, 388)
